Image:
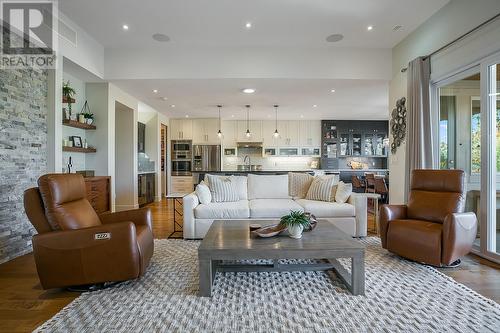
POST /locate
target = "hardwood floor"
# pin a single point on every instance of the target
(24, 305)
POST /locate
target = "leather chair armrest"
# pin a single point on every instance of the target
(141, 216)
(85, 256)
(387, 214)
(459, 232)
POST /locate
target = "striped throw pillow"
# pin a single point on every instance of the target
(298, 184)
(323, 188)
(223, 189)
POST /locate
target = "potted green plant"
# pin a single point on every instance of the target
(89, 117)
(295, 222)
(68, 93)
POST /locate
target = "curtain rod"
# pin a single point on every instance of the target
(458, 39)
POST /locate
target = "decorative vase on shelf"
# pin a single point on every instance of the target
(90, 121)
(81, 118)
(295, 231)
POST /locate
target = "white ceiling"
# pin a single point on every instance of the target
(198, 98)
(275, 23)
(284, 55)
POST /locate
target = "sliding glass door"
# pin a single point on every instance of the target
(459, 104)
(491, 158)
(468, 106)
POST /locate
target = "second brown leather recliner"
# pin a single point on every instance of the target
(432, 228)
(74, 245)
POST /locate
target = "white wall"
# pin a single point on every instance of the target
(450, 22)
(125, 151)
(153, 120)
(248, 62)
(87, 52)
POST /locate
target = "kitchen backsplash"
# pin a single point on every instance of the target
(230, 163)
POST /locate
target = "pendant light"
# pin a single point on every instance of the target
(276, 133)
(219, 133)
(247, 133)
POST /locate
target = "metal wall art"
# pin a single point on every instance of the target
(398, 124)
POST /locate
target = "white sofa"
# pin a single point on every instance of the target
(266, 198)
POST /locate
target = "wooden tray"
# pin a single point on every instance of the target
(270, 230)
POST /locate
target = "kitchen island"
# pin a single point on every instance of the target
(344, 174)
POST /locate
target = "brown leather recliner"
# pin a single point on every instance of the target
(432, 228)
(74, 245)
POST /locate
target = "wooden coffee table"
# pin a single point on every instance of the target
(232, 240)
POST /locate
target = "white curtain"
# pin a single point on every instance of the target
(419, 141)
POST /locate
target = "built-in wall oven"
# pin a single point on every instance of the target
(181, 157)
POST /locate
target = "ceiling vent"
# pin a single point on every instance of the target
(67, 33)
(397, 27)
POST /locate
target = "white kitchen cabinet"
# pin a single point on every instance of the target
(310, 133)
(181, 129)
(255, 127)
(229, 133)
(268, 128)
(289, 133)
(205, 131)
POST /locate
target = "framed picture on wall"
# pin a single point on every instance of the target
(77, 141)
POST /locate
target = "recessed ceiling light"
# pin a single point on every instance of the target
(248, 25)
(333, 90)
(232, 116)
(187, 116)
(164, 98)
(315, 105)
(125, 27)
(155, 91)
(248, 90)
(161, 37)
(301, 116)
(172, 106)
(268, 116)
(369, 28)
(334, 38)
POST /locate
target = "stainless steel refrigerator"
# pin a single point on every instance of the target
(206, 158)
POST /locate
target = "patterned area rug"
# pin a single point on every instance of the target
(400, 296)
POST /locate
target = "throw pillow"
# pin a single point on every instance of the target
(344, 191)
(203, 192)
(239, 181)
(322, 188)
(298, 184)
(223, 189)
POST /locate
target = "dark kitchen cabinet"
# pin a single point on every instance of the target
(141, 137)
(362, 138)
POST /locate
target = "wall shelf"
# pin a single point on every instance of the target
(79, 150)
(77, 124)
(68, 100)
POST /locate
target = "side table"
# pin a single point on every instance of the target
(178, 213)
(375, 197)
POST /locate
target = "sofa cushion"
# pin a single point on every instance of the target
(344, 191)
(323, 188)
(272, 207)
(223, 210)
(327, 209)
(239, 181)
(267, 187)
(298, 184)
(223, 189)
(203, 192)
